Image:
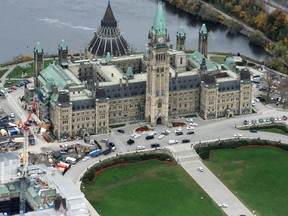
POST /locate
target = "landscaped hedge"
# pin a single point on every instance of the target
(131, 158)
(204, 151)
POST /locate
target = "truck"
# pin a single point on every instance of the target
(95, 153)
(13, 131)
(71, 160)
(66, 166)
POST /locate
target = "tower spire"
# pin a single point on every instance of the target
(109, 19)
(159, 26)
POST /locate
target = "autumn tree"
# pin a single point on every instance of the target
(256, 38)
(261, 20)
(233, 26)
(208, 13)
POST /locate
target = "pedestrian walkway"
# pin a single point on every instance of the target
(190, 161)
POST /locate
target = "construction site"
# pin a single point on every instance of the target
(34, 183)
(44, 188)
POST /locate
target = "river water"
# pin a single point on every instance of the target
(23, 23)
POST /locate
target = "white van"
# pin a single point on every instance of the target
(171, 142)
(140, 147)
(71, 160)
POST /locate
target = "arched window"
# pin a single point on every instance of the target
(160, 105)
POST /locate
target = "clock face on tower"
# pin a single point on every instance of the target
(160, 40)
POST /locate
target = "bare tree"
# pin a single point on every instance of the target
(282, 87)
(268, 80)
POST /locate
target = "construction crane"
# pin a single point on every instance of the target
(25, 161)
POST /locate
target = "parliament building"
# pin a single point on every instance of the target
(113, 86)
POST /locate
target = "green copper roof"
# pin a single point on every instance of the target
(181, 31)
(129, 74)
(146, 53)
(108, 57)
(159, 22)
(229, 60)
(38, 47)
(53, 75)
(63, 45)
(196, 58)
(203, 29)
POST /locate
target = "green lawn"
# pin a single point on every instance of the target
(148, 188)
(2, 72)
(218, 59)
(11, 83)
(259, 176)
(271, 129)
(17, 72)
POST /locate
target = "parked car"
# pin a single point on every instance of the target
(107, 151)
(112, 146)
(155, 145)
(13, 87)
(190, 128)
(85, 158)
(193, 124)
(152, 133)
(165, 132)
(253, 130)
(140, 147)
(190, 132)
(32, 141)
(190, 120)
(171, 142)
(121, 131)
(185, 141)
(200, 169)
(161, 136)
(135, 135)
(130, 142)
(178, 133)
(149, 137)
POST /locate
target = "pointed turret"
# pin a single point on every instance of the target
(108, 18)
(38, 62)
(108, 38)
(158, 34)
(203, 29)
(203, 40)
(129, 74)
(180, 39)
(159, 26)
(62, 53)
(108, 57)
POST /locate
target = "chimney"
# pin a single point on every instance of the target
(120, 82)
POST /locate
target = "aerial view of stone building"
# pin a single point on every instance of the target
(114, 87)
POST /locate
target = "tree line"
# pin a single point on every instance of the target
(252, 12)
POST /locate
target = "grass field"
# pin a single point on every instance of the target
(148, 188)
(259, 176)
(271, 129)
(2, 72)
(218, 59)
(11, 83)
(17, 72)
